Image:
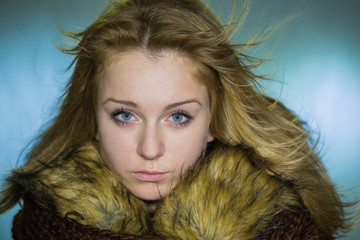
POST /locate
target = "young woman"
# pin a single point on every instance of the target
(162, 134)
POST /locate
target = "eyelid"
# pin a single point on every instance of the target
(182, 112)
(114, 116)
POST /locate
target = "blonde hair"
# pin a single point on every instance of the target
(240, 115)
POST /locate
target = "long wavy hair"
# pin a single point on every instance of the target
(240, 113)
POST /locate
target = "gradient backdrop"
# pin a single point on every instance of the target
(317, 55)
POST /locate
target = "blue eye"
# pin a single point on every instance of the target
(177, 118)
(126, 116)
(122, 116)
(180, 118)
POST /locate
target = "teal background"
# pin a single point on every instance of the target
(316, 55)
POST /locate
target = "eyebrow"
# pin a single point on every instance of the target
(174, 105)
(167, 107)
(127, 103)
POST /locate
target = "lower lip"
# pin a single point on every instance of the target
(149, 177)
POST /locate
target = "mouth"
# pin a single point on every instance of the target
(146, 176)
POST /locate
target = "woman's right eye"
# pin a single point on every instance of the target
(126, 116)
(122, 116)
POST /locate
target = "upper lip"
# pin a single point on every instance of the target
(149, 172)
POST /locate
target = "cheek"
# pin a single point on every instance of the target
(186, 149)
(116, 148)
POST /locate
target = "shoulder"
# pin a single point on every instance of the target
(79, 181)
(227, 197)
(36, 222)
(295, 225)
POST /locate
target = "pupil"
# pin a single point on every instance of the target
(178, 118)
(126, 116)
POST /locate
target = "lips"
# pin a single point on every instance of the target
(146, 176)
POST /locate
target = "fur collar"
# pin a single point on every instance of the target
(223, 197)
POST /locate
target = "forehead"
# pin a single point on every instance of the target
(135, 64)
(150, 57)
(138, 75)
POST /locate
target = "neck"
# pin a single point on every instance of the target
(152, 205)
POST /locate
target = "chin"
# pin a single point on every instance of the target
(150, 193)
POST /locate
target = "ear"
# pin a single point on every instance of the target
(210, 137)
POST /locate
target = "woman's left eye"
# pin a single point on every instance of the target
(180, 118)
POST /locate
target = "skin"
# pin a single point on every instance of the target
(153, 120)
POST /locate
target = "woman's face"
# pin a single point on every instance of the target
(153, 121)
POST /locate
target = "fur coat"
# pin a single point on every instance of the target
(224, 197)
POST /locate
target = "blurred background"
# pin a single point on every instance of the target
(315, 54)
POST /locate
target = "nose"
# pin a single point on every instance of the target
(150, 146)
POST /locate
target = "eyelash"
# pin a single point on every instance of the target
(114, 116)
(182, 113)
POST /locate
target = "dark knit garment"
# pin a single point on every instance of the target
(35, 222)
(295, 226)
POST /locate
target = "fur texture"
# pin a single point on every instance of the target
(224, 197)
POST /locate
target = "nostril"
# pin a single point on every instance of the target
(151, 152)
(151, 147)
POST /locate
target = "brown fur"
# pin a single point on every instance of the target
(224, 196)
(80, 182)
